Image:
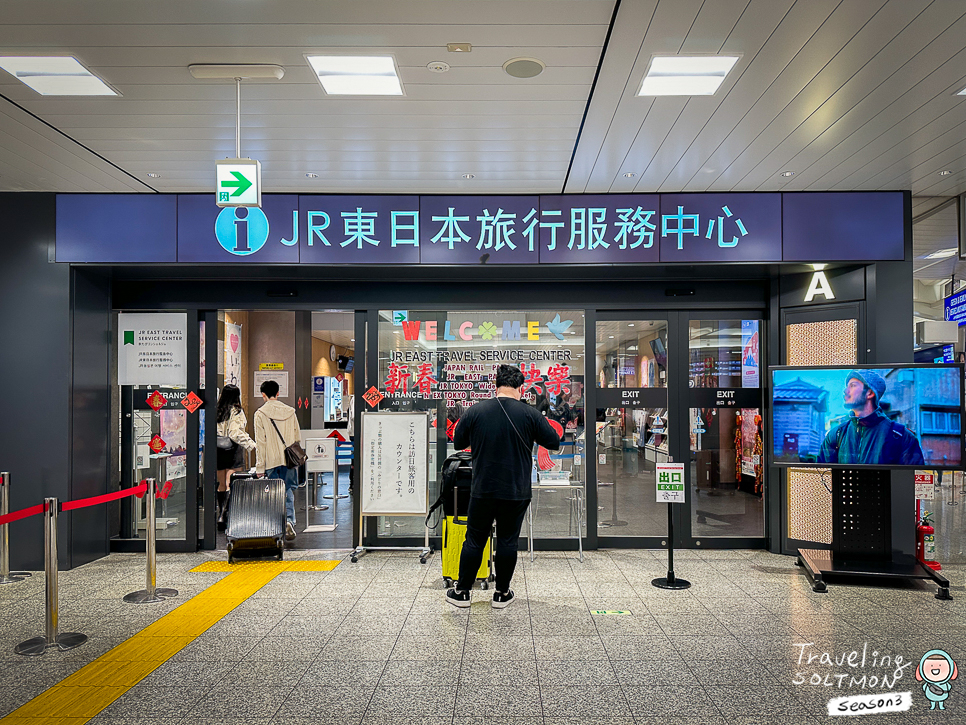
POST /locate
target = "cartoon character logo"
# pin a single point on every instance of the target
(936, 672)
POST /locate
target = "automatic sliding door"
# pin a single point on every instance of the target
(725, 428)
(631, 424)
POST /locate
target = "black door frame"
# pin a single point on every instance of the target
(192, 433)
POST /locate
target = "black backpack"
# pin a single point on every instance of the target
(457, 467)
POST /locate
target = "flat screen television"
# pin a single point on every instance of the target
(869, 416)
(346, 363)
(659, 351)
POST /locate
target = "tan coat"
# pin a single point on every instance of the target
(270, 448)
(235, 427)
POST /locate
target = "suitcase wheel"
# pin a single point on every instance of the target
(485, 584)
(354, 559)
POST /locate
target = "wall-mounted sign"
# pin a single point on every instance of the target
(461, 230)
(271, 366)
(954, 308)
(238, 182)
(819, 287)
(279, 376)
(152, 348)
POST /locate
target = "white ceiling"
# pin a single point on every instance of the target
(854, 94)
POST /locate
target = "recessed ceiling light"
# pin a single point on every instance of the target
(610, 337)
(55, 76)
(630, 324)
(961, 93)
(342, 75)
(942, 253)
(629, 175)
(787, 174)
(686, 75)
(469, 176)
(945, 172)
(352, 340)
(310, 175)
(154, 175)
(459, 47)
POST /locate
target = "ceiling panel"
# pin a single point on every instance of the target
(854, 94)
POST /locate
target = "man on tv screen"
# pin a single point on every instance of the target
(868, 436)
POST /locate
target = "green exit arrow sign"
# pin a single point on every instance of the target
(238, 182)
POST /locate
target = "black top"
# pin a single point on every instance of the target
(502, 462)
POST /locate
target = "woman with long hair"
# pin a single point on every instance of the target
(232, 438)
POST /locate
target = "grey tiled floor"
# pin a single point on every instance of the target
(374, 643)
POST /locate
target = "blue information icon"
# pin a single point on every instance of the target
(241, 230)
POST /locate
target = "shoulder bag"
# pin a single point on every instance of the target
(294, 455)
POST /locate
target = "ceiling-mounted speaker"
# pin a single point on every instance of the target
(524, 67)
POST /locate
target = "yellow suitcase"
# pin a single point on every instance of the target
(454, 534)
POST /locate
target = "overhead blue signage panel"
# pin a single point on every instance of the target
(117, 228)
(479, 229)
(721, 228)
(359, 229)
(610, 229)
(209, 234)
(599, 229)
(842, 226)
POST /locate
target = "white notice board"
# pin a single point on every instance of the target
(395, 464)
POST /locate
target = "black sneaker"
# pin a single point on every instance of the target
(289, 531)
(458, 598)
(502, 599)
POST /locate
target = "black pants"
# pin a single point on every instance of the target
(479, 520)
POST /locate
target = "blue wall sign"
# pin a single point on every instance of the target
(501, 230)
(954, 308)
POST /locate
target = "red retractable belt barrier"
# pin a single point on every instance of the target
(94, 500)
(22, 514)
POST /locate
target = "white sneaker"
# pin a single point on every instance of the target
(289, 531)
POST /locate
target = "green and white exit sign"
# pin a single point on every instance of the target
(670, 482)
(238, 182)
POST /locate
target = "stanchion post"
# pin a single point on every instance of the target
(7, 576)
(670, 581)
(151, 593)
(51, 639)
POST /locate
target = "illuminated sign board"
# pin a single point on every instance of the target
(611, 229)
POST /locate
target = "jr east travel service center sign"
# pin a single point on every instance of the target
(472, 230)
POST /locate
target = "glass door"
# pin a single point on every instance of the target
(726, 458)
(632, 374)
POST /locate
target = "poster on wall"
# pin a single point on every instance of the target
(152, 348)
(173, 432)
(750, 370)
(201, 383)
(233, 335)
(279, 376)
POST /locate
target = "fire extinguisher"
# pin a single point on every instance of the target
(926, 542)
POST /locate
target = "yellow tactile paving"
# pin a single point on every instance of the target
(84, 694)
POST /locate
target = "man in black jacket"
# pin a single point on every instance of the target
(500, 433)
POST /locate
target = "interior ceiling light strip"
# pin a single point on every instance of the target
(55, 75)
(344, 75)
(686, 75)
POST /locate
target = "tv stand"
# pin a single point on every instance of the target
(862, 535)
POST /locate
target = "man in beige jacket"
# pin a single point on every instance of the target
(276, 428)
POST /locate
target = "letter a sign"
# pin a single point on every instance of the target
(819, 286)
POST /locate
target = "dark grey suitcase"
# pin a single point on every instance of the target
(256, 519)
